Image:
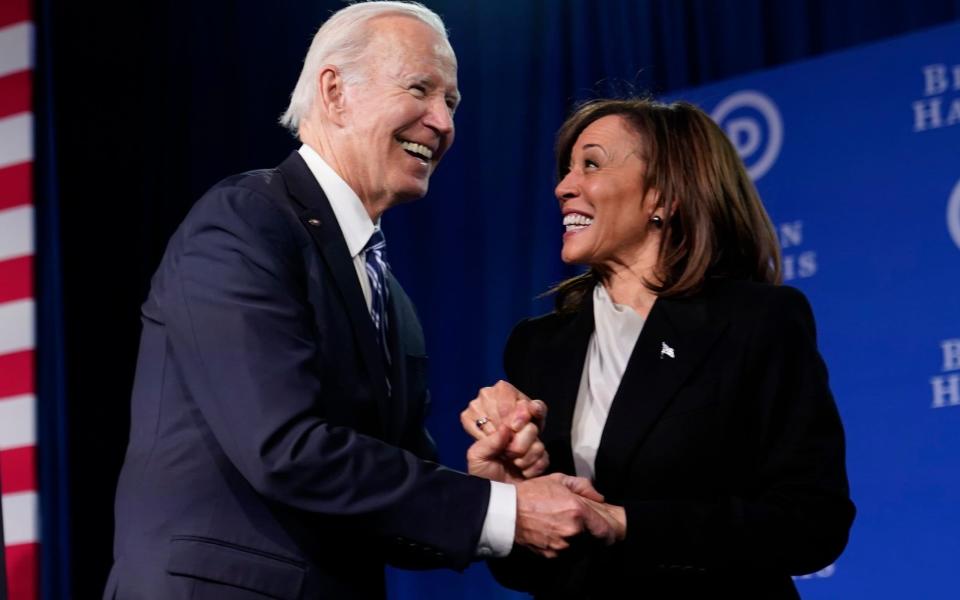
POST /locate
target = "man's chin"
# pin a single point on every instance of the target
(412, 192)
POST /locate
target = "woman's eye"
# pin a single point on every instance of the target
(589, 164)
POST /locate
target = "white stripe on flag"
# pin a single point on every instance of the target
(16, 48)
(17, 421)
(20, 518)
(16, 232)
(16, 139)
(16, 326)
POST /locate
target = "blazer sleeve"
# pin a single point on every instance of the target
(245, 337)
(794, 513)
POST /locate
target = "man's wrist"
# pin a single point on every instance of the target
(500, 522)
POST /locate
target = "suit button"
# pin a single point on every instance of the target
(314, 222)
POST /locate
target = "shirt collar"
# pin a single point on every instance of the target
(352, 217)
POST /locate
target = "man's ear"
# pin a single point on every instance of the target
(330, 93)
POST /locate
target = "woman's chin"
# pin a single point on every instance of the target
(572, 256)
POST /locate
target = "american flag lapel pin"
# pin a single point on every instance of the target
(666, 350)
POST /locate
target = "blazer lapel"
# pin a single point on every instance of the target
(675, 339)
(563, 355)
(315, 213)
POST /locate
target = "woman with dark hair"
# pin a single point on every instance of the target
(679, 375)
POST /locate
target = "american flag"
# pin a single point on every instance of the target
(18, 472)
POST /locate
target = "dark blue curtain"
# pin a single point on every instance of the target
(151, 104)
(53, 413)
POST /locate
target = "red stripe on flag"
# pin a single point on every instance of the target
(14, 11)
(16, 185)
(16, 279)
(16, 373)
(15, 93)
(22, 561)
(18, 470)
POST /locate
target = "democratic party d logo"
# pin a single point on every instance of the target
(953, 215)
(754, 127)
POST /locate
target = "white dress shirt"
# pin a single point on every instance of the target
(615, 333)
(496, 537)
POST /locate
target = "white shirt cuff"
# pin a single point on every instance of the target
(499, 526)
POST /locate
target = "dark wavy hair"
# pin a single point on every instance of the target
(714, 222)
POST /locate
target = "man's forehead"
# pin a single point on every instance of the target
(394, 35)
(444, 53)
(404, 27)
(446, 61)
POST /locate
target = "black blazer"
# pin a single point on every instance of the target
(728, 456)
(266, 458)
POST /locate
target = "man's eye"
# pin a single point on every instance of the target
(418, 90)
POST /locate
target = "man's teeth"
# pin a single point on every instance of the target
(576, 221)
(419, 149)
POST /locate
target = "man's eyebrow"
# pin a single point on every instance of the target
(419, 78)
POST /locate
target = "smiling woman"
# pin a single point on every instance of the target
(670, 196)
(679, 376)
(602, 197)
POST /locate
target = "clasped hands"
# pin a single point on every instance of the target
(551, 509)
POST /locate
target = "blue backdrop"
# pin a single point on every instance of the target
(145, 105)
(857, 157)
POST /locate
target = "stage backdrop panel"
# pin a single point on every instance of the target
(857, 158)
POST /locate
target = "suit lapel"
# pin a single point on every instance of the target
(562, 367)
(315, 213)
(681, 327)
(398, 371)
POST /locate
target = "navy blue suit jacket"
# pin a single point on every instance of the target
(266, 458)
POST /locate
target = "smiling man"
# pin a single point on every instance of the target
(277, 446)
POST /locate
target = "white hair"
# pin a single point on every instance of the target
(340, 41)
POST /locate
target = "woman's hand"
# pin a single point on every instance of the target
(616, 517)
(521, 454)
(485, 458)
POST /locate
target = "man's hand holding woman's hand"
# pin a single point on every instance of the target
(506, 425)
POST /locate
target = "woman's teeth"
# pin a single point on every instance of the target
(576, 221)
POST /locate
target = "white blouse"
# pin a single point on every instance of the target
(615, 332)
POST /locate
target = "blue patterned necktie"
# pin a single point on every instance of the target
(377, 266)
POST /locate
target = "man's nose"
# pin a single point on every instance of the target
(439, 117)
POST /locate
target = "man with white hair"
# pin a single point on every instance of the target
(277, 446)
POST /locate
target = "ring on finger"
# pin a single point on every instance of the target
(481, 422)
